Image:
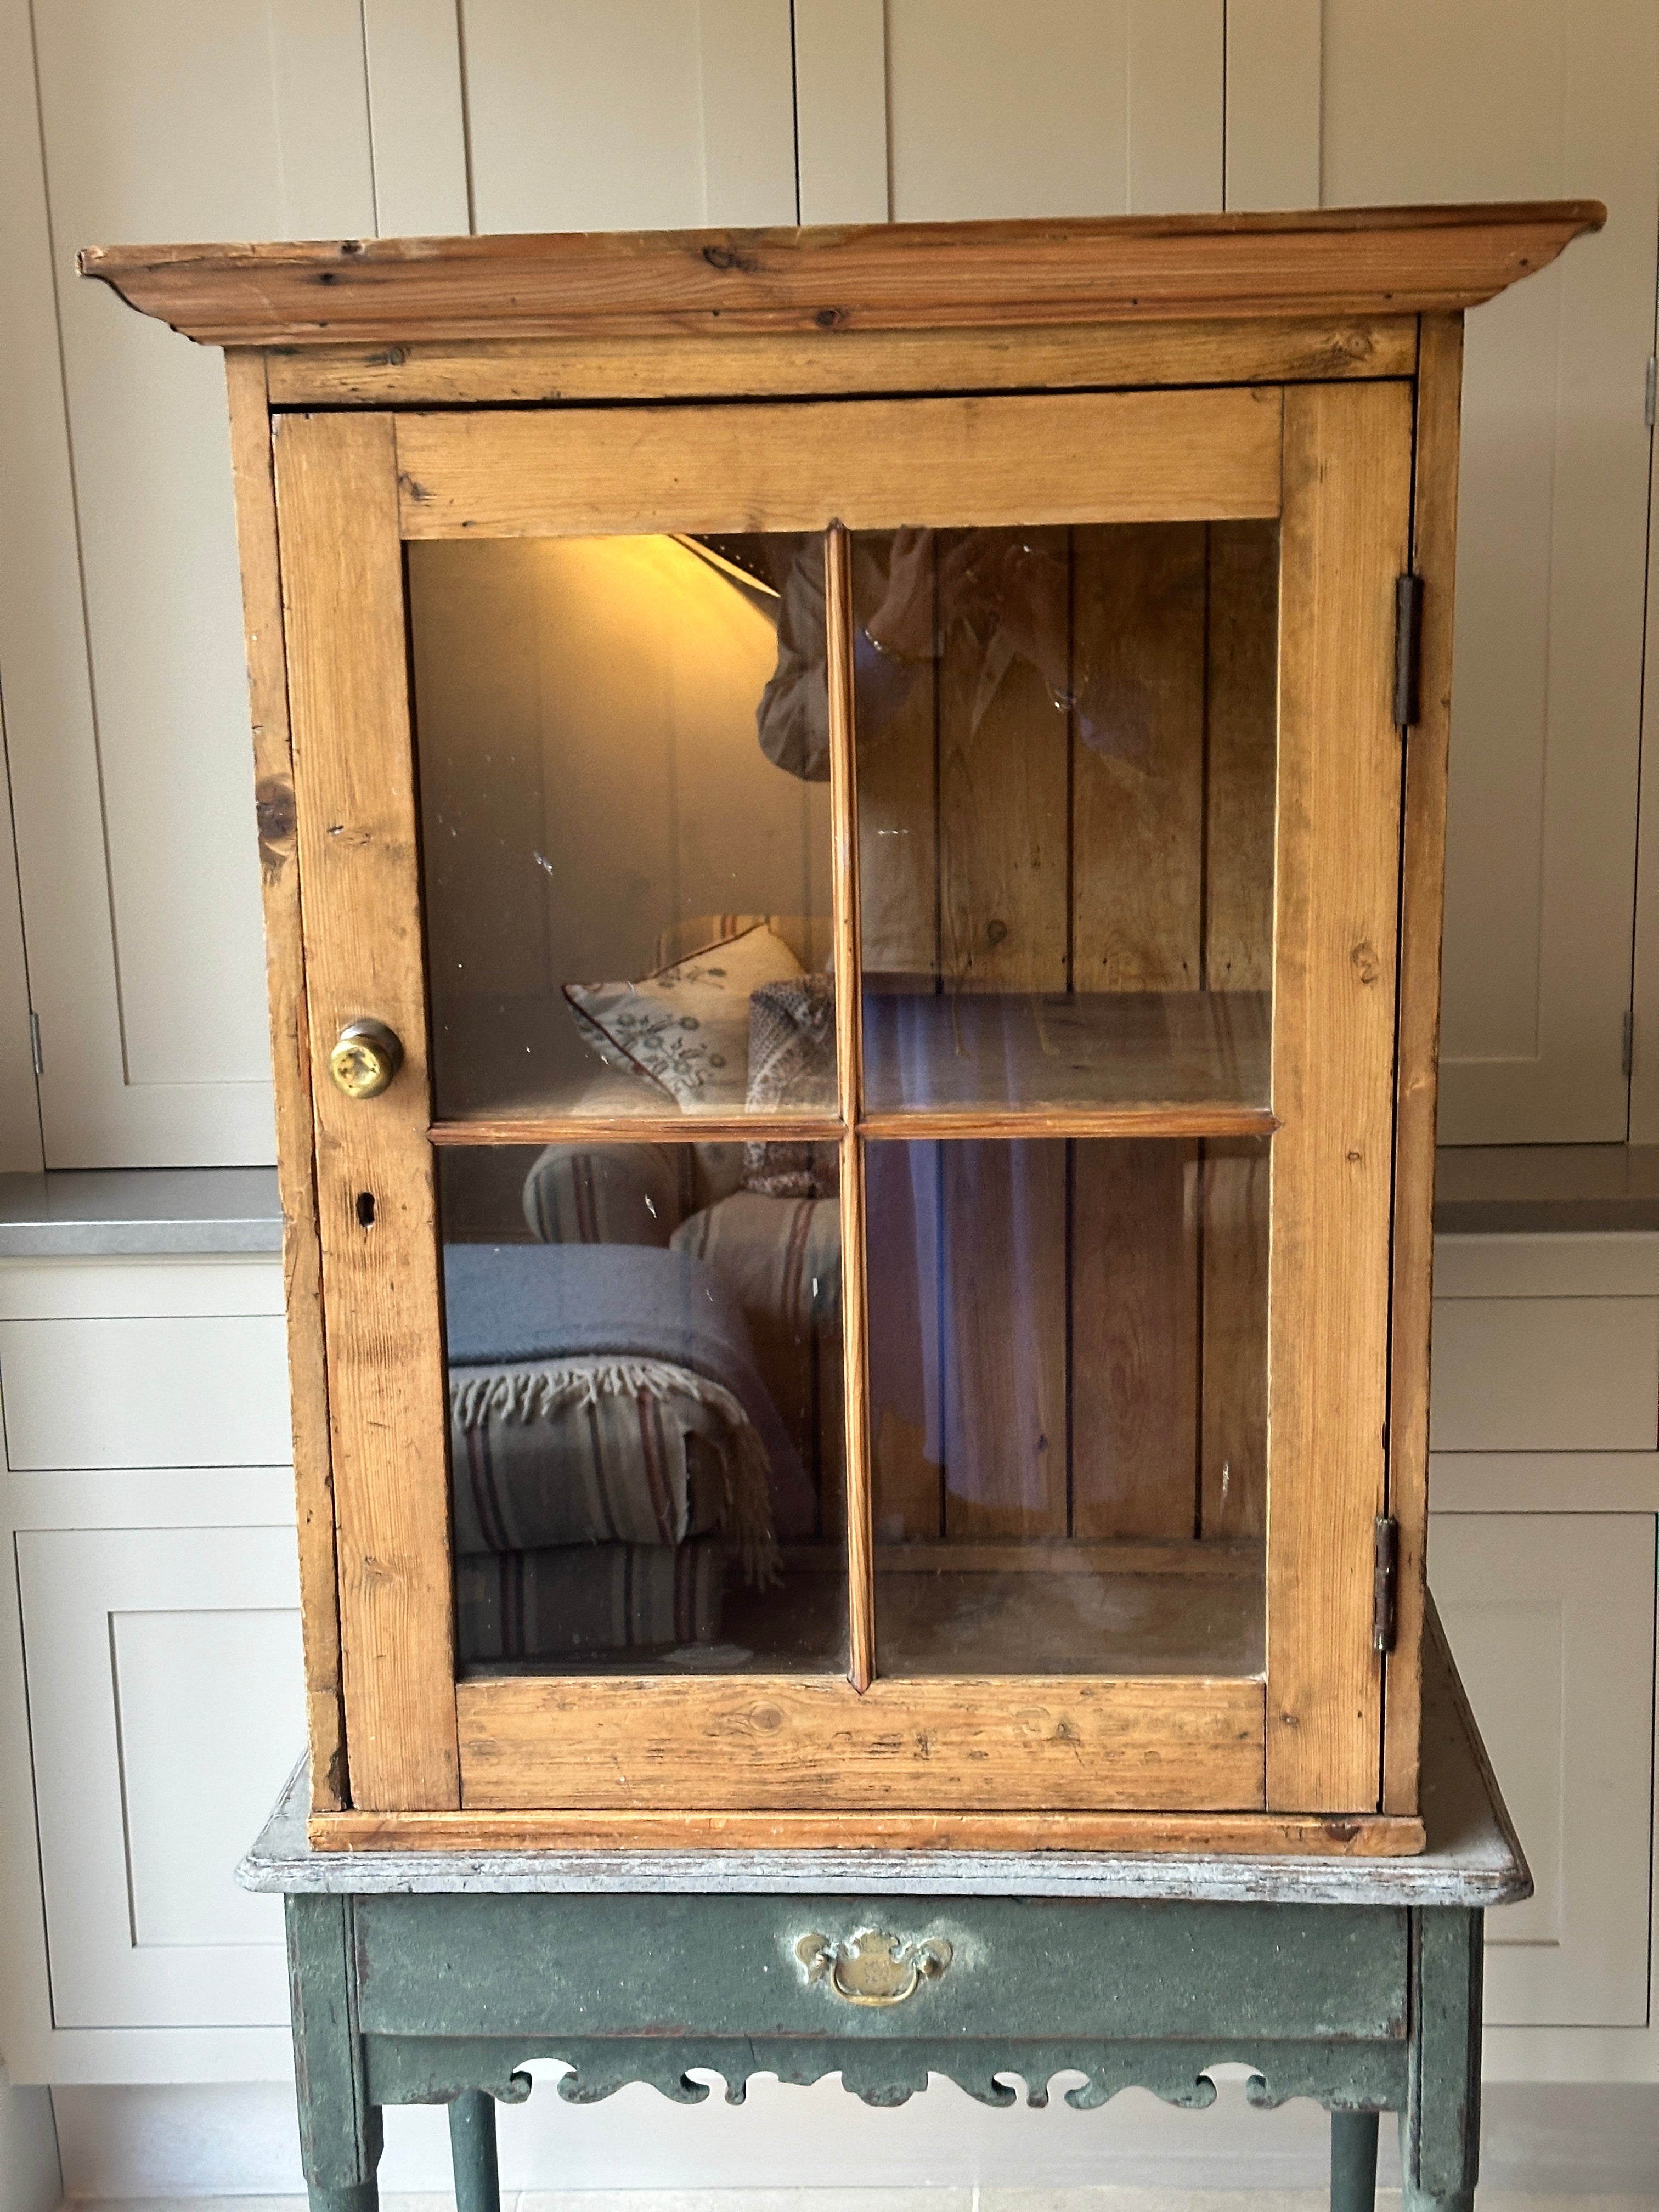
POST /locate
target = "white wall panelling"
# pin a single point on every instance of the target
(1551, 1618)
(644, 114)
(841, 109)
(20, 1149)
(1540, 100)
(1052, 109)
(418, 121)
(127, 717)
(1273, 103)
(1644, 990)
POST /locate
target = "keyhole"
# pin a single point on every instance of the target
(366, 1209)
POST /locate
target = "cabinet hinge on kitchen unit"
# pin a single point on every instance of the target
(1408, 646)
(34, 1042)
(1384, 1577)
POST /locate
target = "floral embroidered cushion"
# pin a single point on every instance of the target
(686, 1026)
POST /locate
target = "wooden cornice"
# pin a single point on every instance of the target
(1335, 262)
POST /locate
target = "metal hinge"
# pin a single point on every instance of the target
(34, 1042)
(1407, 648)
(1652, 391)
(1384, 1577)
(1627, 1044)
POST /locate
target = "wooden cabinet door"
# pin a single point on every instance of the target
(867, 1295)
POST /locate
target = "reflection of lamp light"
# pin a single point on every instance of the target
(756, 588)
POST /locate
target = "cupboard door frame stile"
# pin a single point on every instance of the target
(849, 1081)
(343, 589)
(1344, 540)
(290, 1046)
(1422, 918)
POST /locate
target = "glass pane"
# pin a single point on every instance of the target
(646, 1430)
(1066, 767)
(1068, 1405)
(623, 750)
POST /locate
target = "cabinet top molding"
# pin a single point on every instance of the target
(910, 275)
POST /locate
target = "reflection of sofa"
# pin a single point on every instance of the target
(627, 1585)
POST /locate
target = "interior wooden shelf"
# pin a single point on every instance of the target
(1172, 1062)
(984, 1609)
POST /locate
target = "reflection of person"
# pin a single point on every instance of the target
(914, 591)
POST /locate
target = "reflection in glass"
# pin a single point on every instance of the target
(1066, 771)
(1068, 1405)
(623, 762)
(646, 1430)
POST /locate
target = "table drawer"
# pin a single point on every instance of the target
(542, 1966)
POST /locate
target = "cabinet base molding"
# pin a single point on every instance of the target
(1277, 1834)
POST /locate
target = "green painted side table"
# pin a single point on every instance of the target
(431, 1978)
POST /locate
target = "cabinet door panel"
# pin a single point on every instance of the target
(209, 1391)
(1424, 101)
(159, 1659)
(1550, 1620)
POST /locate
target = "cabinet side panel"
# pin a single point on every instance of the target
(279, 883)
(1422, 908)
(1346, 511)
(343, 598)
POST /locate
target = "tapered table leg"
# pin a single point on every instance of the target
(339, 2128)
(472, 2152)
(1440, 2128)
(1353, 2162)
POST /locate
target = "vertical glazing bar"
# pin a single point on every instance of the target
(849, 1050)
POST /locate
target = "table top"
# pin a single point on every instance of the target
(1473, 1857)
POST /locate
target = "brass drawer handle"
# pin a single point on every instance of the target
(365, 1058)
(872, 1967)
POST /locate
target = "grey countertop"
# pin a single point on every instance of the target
(120, 1213)
(1545, 1189)
(115, 1212)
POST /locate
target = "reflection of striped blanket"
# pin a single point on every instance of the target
(590, 1598)
(589, 1451)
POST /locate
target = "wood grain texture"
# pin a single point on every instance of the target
(1241, 740)
(1423, 861)
(354, 780)
(1134, 1340)
(291, 1059)
(1003, 1325)
(1137, 799)
(1204, 1835)
(1236, 1182)
(849, 1085)
(638, 1129)
(1335, 262)
(1345, 540)
(804, 1743)
(1218, 1118)
(690, 365)
(1012, 461)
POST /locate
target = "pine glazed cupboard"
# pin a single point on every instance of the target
(852, 826)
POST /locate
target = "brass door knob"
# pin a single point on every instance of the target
(366, 1058)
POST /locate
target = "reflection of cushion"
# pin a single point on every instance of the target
(686, 1026)
(780, 1259)
(587, 1598)
(791, 1069)
(810, 936)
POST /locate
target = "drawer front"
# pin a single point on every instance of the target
(1546, 1374)
(197, 1390)
(757, 1966)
